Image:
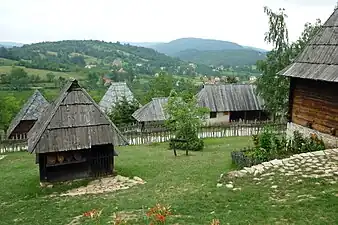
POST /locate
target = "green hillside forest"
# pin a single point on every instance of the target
(68, 56)
(211, 52)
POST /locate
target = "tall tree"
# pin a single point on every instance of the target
(272, 88)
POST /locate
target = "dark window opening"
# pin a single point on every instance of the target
(213, 114)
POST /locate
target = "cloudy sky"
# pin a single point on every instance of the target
(241, 21)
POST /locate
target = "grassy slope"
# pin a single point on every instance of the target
(41, 73)
(188, 184)
(49, 94)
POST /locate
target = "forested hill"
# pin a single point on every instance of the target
(234, 57)
(71, 55)
(211, 52)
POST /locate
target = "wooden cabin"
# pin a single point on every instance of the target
(74, 138)
(27, 116)
(231, 102)
(115, 93)
(313, 98)
(152, 113)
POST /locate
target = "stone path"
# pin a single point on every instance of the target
(320, 164)
(104, 185)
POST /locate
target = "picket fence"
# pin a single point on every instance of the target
(147, 136)
(13, 146)
(157, 134)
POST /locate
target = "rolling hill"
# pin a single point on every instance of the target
(70, 55)
(210, 52)
(238, 57)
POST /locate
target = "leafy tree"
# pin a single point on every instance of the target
(185, 118)
(18, 79)
(9, 107)
(50, 77)
(122, 112)
(60, 82)
(272, 88)
(160, 86)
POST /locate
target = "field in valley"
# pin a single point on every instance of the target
(187, 183)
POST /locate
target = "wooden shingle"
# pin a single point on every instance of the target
(74, 121)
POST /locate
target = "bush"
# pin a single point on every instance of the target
(192, 145)
(268, 145)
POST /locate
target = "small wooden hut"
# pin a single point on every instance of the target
(231, 102)
(153, 112)
(115, 93)
(313, 98)
(74, 138)
(27, 116)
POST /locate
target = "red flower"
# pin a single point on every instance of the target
(160, 217)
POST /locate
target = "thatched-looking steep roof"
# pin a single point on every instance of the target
(114, 95)
(319, 60)
(73, 122)
(31, 110)
(152, 111)
(229, 97)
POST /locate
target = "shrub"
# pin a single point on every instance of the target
(194, 144)
(269, 145)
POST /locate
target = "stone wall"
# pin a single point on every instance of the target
(329, 140)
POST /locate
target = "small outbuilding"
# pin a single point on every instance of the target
(152, 112)
(74, 138)
(313, 96)
(27, 116)
(115, 93)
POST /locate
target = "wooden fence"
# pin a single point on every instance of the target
(12, 146)
(137, 135)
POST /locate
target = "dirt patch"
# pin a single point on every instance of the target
(104, 185)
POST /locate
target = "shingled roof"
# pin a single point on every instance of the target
(319, 60)
(73, 122)
(229, 98)
(115, 94)
(31, 110)
(152, 111)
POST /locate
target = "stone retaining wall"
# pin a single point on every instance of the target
(329, 140)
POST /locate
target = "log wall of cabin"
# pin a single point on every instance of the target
(314, 104)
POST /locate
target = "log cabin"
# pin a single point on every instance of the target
(313, 96)
(74, 138)
(27, 117)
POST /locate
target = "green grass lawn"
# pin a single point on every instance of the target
(187, 183)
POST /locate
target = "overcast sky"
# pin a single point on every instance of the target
(240, 21)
